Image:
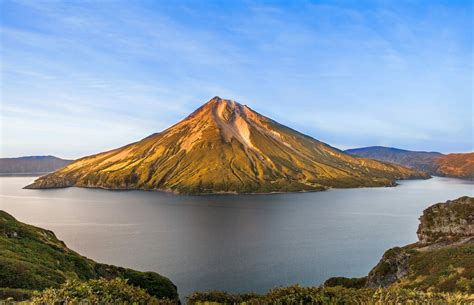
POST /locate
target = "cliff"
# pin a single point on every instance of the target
(442, 259)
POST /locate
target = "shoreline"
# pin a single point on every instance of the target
(171, 192)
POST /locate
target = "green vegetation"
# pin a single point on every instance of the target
(15, 294)
(100, 291)
(346, 282)
(437, 269)
(32, 258)
(331, 295)
(447, 269)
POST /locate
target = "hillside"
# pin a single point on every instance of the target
(225, 147)
(420, 160)
(32, 258)
(32, 164)
(452, 165)
(456, 165)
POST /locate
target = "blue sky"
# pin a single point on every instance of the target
(80, 77)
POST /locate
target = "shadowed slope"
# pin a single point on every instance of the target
(32, 164)
(32, 258)
(419, 160)
(225, 147)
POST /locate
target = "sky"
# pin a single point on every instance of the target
(81, 77)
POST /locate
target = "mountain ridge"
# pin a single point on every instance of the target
(458, 165)
(32, 164)
(226, 147)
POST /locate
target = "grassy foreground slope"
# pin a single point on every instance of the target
(32, 258)
(330, 295)
(226, 147)
(98, 291)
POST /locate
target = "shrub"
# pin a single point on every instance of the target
(15, 294)
(346, 282)
(97, 291)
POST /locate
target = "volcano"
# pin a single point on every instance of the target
(226, 147)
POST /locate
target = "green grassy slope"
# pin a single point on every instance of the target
(98, 291)
(226, 147)
(32, 258)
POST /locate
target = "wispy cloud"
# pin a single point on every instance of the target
(110, 72)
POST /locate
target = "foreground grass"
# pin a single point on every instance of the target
(119, 291)
(330, 295)
(100, 291)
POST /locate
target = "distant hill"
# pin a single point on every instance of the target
(459, 165)
(32, 164)
(456, 165)
(226, 147)
(420, 160)
(32, 258)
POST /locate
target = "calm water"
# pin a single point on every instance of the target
(233, 243)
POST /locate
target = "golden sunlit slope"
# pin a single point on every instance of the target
(225, 147)
(456, 165)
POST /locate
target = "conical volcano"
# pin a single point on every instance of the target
(225, 147)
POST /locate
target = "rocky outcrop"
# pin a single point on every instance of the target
(442, 259)
(447, 221)
(392, 267)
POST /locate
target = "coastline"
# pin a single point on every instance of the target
(172, 192)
